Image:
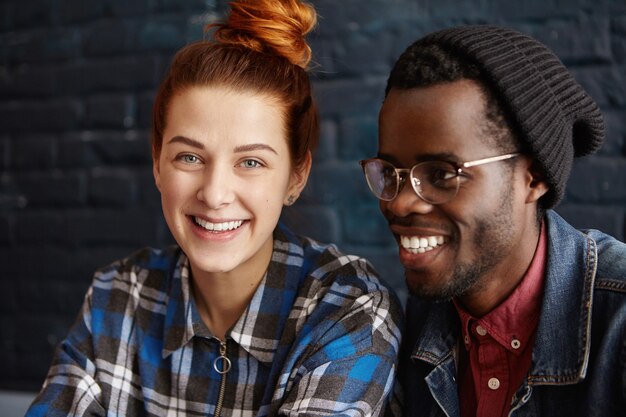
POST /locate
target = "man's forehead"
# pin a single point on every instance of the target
(440, 119)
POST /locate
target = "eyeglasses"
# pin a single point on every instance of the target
(435, 182)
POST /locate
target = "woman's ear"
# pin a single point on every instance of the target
(298, 180)
(537, 185)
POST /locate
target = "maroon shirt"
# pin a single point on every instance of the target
(499, 345)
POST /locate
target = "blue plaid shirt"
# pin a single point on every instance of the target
(320, 337)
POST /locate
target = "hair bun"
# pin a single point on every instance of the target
(271, 26)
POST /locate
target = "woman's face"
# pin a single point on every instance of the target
(224, 173)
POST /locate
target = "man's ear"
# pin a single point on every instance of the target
(156, 173)
(298, 180)
(535, 180)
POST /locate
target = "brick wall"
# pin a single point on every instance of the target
(77, 79)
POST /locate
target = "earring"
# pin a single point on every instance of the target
(290, 200)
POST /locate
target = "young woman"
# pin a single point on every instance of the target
(242, 317)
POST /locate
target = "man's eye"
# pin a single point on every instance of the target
(442, 178)
(443, 174)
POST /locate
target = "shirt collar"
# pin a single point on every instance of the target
(182, 320)
(259, 329)
(513, 323)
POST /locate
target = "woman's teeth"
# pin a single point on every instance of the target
(416, 244)
(218, 227)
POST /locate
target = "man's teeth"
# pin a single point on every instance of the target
(416, 244)
(218, 227)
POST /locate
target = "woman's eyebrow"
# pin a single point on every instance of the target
(255, 147)
(239, 149)
(186, 141)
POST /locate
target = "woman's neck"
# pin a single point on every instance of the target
(222, 297)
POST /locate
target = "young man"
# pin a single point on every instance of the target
(513, 311)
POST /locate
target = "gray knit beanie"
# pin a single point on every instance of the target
(554, 116)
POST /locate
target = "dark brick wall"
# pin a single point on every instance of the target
(77, 78)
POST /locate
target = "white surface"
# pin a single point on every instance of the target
(14, 403)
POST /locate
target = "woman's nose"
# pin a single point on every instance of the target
(216, 188)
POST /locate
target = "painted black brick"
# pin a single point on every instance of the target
(123, 227)
(615, 142)
(110, 74)
(336, 183)
(570, 41)
(36, 14)
(117, 187)
(29, 80)
(606, 84)
(162, 33)
(131, 147)
(4, 153)
(6, 230)
(325, 226)
(350, 96)
(51, 297)
(90, 149)
(56, 189)
(149, 196)
(46, 225)
(40, 115)
(145, 102)
(327, 146)
(359, 136)
(43, 262)
(110, 37)
(376, 234)
(44, 45)
(110, 111)
(607, 218)
(598, 180)
(78, 11)
(31, 152)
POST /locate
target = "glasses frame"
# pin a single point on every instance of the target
(403, 173)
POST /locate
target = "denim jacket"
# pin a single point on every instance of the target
(579, 358)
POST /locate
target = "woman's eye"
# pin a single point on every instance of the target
(189, 159)
(251, 163)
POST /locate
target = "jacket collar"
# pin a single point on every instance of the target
(566, 307)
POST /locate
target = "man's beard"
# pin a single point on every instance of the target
(493, 236)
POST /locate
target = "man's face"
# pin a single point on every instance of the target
(473, 237)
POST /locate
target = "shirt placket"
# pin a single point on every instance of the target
(493, 385)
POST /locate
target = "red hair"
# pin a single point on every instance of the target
(261, 49)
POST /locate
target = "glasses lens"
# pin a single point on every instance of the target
(382, 178)
(435, 181)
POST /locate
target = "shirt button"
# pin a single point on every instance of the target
(480, 330)
(494, 383)
(515, 344)
(466, 339)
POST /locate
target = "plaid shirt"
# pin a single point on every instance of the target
(319, 337)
